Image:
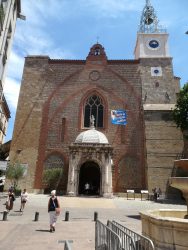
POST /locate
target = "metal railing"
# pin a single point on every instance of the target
(67, 245)
(126, 240)
(105, 238)
(139, 242)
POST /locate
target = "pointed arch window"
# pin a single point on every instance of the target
(94, 106)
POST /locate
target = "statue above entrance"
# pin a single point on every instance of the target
(92, 122)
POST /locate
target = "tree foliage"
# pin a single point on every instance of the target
(14, 173)
(180, 113)
(51, 177)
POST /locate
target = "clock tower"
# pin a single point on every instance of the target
(159, 90)
(159, 86)
(152, 38)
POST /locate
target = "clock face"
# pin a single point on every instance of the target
(153, 44)
(156, 71)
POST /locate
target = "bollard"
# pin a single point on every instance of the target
(95, 216)
(36, 216)
(5, 215)
(67, 216)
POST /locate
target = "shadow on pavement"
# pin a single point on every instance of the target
(171, 202)
(43, 230)
(137, 217)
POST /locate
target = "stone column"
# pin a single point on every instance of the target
(108, 177)
(71, 176)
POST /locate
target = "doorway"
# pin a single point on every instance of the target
(89, 179)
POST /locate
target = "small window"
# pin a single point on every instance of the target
(2, 16)
(94, 106)
(9, 32)
(5, 53)
(63, 129)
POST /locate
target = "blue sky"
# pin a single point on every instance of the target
(68, 28)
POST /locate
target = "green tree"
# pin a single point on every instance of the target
(51, 177)
(180, 115)
(14, 173)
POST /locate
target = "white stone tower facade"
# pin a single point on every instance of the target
(10, 10)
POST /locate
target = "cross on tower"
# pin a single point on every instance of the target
(148, 2)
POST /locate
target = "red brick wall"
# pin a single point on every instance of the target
(119, 86)
(55, 89)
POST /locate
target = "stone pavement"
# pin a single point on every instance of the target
(21, 232)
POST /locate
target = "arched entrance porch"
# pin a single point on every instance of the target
(89, 179)
(90, 162)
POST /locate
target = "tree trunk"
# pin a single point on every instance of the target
(185, 139)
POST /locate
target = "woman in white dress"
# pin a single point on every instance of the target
(24, 199)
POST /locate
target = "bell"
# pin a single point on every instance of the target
(149, 21)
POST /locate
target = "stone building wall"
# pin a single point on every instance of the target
(163, 144)
(53, 90)
(25, 141)
(158, 89)
(163, 139)
(50, 117)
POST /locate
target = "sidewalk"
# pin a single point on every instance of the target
(21, 232)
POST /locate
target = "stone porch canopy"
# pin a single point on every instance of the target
(90, 147)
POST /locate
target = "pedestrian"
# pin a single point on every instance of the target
(156, 193)
(53, 209)
(2, 181)
(10, 200)
(87, 188)
(11, 189)
(24, 199)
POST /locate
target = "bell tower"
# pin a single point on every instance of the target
(159, 86)
(152, 38)
(159, 89)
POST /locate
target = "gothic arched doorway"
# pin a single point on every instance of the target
(89, 179)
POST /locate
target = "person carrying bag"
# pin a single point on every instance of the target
(53, 209)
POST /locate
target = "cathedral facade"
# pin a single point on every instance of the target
(64, 117)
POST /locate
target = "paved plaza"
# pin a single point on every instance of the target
(21, 232)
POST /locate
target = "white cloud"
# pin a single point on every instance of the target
(15, 65)
(11, 92)
(113, 8)
(32, 36)
(33, 10)
(38, 14)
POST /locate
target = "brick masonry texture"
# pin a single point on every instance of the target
(52, 90)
